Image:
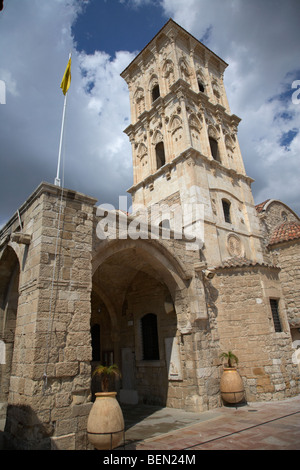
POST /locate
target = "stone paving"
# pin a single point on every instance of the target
(254, 426)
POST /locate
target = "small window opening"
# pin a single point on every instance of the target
(155, 93)
(226, 211)
(275, 314)
(150, 337)
(96, 350)
(160, 155)
(200, 86)
(214, 148)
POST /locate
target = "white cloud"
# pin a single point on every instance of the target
(257, 39)
(36, 37)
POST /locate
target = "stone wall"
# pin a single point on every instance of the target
(245, 327)
(288, 257)
(60, 258)
(48, 400)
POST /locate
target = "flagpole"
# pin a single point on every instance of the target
(57, 179)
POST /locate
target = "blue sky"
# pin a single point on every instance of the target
(258, 39)
(113, 25)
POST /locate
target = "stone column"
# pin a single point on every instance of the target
(49, 397)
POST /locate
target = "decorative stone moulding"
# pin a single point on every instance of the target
(234, 245)
(21, 238)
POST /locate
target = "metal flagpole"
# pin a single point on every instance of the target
(57, 179)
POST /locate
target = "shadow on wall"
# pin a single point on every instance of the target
(24, 431)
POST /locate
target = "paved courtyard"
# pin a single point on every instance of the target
(253, 426)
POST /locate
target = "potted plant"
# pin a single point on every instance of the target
(105, 374)
(231, 359)
(105, 426)
(231, 385)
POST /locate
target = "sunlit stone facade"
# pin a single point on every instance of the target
(81, 286)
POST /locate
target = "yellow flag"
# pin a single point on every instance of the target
(66, 81)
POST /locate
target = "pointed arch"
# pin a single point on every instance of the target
(171, 269)
(139, 101)
(216, 90)
(168, 73)
(175, 122)
(154, 88)
(176, 129)
(157, 137)
(142, 151)
(160, 154)
(201, 81)
(213, 137)
(195, 129)
(142, 154)
(229, 142)
(230, 148)
(213, 132)
(184, 69)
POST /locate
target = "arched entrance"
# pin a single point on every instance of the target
(135, 286)
(9, 296)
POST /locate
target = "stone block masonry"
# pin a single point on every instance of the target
(50, 369)
(162, 308)
(245, 326)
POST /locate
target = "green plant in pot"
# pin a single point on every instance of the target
(105, 426)
(230, 357)
(231, 384)
(106, 373)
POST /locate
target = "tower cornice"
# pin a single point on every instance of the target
(187, 156)
(171, 28)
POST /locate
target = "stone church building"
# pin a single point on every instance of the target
(195, 270)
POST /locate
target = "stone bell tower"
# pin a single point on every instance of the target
(184, 141)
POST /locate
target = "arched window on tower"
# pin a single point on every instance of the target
(155, 93)
(160, 155)
(226, 211)
(150, 337)
(214, 148)
(201, 86)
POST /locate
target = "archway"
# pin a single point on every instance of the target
(9, 297)
(135, 286)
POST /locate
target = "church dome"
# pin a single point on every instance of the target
(285, 232)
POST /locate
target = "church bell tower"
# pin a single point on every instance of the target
(184, 141)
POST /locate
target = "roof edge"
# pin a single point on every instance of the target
(244, 263)
(268, 202)
(170, 20)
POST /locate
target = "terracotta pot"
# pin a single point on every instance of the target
(231, 385)
(105, 426)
